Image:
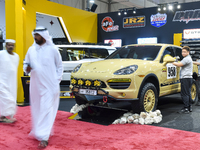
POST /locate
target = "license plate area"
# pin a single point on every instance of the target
(87, 91)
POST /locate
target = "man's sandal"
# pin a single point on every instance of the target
(43, 144)
(6, 120)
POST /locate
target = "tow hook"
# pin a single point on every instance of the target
(71, 95)
(105, 100)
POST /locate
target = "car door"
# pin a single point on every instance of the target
(178, 55)
(169, 75)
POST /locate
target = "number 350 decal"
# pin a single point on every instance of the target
(171, 71)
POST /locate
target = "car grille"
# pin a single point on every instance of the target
(119, 85)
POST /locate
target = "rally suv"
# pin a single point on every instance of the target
(137, 73)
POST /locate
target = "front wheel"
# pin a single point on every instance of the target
(148, 99)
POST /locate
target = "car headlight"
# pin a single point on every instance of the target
(126, 70)
(77, 68)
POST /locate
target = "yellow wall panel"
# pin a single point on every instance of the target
(81, 25)
(177, 39)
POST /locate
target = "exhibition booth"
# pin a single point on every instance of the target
(76, 25)
(178, 26)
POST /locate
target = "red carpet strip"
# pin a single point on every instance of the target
(78, 135)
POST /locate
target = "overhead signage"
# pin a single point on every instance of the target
(134, 22)
(114, 42)
(191, 34)
(187, 15)
(147, 40)
(107, 25)
(158, 20)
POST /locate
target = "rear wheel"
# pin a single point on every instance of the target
(194, 93)
(148, 99)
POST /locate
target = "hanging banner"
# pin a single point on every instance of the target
(134, 22)
(158, 20)
(187, 15)
(107, 25)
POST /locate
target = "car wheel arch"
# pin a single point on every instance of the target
(151, 78)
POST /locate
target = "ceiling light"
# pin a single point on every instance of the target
(159, 9)
(125, 13)
(91, 1)
(164, 8)
(134, 12)
(178, 6)
(119, 13)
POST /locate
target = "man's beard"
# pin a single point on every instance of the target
(39, 42)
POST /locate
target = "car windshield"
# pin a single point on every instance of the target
(144, 52)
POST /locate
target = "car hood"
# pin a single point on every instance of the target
(109, 65)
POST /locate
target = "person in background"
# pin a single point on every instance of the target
(44, 62)
(198, 79)
(9, 62)
(186, 78)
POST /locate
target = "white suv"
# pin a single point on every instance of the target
(73, 55)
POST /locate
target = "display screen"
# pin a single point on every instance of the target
(147, 40)
(114, 42)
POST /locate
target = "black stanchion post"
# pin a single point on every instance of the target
(25, 83)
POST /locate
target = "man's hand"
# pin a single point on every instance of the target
(28, 69)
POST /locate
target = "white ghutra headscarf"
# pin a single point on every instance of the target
(44, 33)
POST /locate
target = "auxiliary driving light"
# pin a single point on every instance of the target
(97, 83)
(80, 81)
(74, 81)
(88, 82)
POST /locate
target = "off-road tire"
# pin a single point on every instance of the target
(194, 93)
(150, 102)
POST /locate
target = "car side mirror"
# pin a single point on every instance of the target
(168, 59)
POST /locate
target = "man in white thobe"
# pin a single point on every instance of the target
(9, 62)
(44, 62)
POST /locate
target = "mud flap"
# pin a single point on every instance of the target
(100, 114)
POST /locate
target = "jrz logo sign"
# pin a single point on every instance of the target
(134, 22)
(171, 71)
(107, 25)
(158, 20)
(187, 15)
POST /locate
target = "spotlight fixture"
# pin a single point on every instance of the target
(91, 1)
(170, 7)
(178, 6)
(126, 11)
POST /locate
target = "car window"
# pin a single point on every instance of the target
(98, 53)
(73, 54)
(144, 52)
(167, 51)
(178, 52)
